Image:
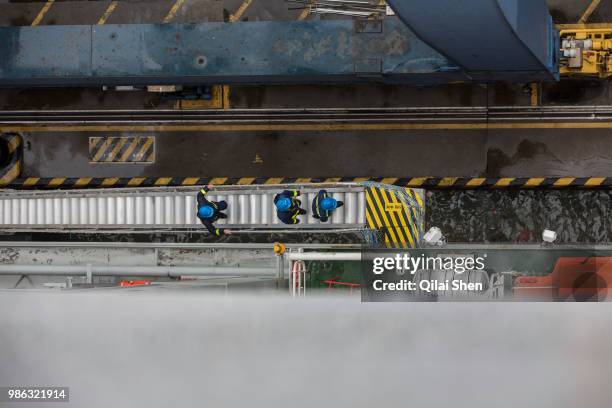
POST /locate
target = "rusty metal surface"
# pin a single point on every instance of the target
(244, 52)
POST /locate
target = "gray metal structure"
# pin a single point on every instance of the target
(260, 52)
(488, 39)
(174, 208)
(33, 264)
(483, 40)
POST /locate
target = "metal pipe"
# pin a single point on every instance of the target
(323, 256)
(361, 115)
(165, 245)
(105, 270)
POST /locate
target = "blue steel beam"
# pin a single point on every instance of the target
(510, 40)
(212, 53)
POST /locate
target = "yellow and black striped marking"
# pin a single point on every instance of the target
(11, 166)
(427, 183)
(400, 222)
(108, 149)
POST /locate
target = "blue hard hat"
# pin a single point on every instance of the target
(329, 204)
(206, 211)
(283, 204)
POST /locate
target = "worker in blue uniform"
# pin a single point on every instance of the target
(210, 211)
(288, 206)
(323, 205)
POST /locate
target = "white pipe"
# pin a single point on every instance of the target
(171, 271)
(166, 245)
(323, 256)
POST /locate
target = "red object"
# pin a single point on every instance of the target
(573, 278)
(350, 285)
(523, 236)
(134, 283)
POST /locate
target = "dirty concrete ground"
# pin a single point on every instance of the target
(570, 11)
(15, 13)
(406, 153)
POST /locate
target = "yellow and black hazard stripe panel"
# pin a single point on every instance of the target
(400, 222)
(427, 183)
(108, 149)
(11, 158)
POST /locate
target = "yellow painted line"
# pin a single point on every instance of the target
(332, 180)
(135, 181)
(389, 180)
(534, 182)
(14, 143)
(587, 13)
(398, 231)
(143, 149)
(151, 158)
(12, 174)
(173, 10)
(57, 181)
(304, 127)
(403, 230)
(109, 10)
(594, 181)
(198, 104)
(113, 153)
(163, 181)
(218, 181)
(448, 181)
(190, 181)
(226, 96)
(564, 181)
(128, 152)
(580, 27)
(246, 181)
(42, 12)
(504, 182)
(304, 14)
(274, 180)
(30, 181)
(109, 182)
(370, 204)
(417, 181)
(475, 182)
(82, 181)
(535, 94)
(412, 210)
(101, 150)
(418, 199)
(303, 180)
(369, 221)
(383, 214)
(238, 14)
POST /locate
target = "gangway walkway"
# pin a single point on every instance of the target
(171, 208)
